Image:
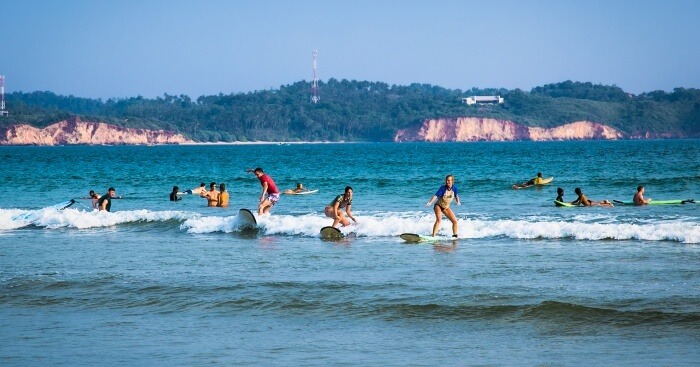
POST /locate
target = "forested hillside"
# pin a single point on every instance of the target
(369, 111)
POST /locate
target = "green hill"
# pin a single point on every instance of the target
(366, 111)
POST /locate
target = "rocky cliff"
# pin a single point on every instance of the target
(75, 131)
(485, 129)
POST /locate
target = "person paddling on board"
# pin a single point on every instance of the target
(533, 181)
(560, 195)
(638, 198)
(444, 196)
(583, 200)
(335, 208)
(270, 195)
(105, 202)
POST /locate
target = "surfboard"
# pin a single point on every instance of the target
(412, 237)
(291, 192)
(331, 233)
(560, 203)
(658, 202)
(63, 205)
(247, 218)
(545, 181)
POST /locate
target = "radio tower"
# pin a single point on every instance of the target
(314, 82)
(2, 96)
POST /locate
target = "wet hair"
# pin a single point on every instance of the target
(202, 184)
(92, 192)
(539, 174)
(577, 191)
(347, 188)
(560, 190)
(222, 187)
(111, 189)
(258, 170)
(176, 189)
(639, 188)
(213, 184)
(299, 184)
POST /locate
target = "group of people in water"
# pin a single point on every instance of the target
(340, 208)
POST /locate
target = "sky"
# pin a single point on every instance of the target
(128, 48)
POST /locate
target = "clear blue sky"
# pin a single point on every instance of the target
(125, 48)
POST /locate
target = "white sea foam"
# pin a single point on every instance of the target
(581, 227)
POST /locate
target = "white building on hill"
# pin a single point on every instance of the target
(482, 99)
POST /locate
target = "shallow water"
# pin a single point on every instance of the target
(162, 283)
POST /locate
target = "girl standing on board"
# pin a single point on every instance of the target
(444, 196)
(334, 209)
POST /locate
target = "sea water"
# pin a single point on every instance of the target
(160, 283)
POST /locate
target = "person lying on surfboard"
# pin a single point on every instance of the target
(299, 189)
(638, 198)
(531, 182)
(334, 209)
(583, 200)
(444, 196)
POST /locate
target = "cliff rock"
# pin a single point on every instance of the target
(485, 129)
(75, 131)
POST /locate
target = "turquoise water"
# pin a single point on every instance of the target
(179, 284)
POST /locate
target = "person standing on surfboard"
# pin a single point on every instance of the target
(270, 195)
(638, 198)
(334, 209)
(444, 196)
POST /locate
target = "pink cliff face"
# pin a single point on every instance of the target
(75, 131)
(485, 129)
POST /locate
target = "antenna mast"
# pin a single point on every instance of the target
(2, 96)
(314, 82)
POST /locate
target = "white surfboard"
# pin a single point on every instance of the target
(331, 233)
(247, 218)
(291, 192)
(412, 237)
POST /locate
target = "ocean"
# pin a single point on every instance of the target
(160, 283)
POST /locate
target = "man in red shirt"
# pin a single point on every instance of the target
(270, 195)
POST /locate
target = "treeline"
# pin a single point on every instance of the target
(361, 110)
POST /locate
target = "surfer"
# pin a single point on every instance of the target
(444, 196)
(198, 191)
(270, 195)
(334, 209)
(223, 197)
(105, 202)
(93, 198)
(531, 182)
(299, 188)
(173, 194)
(639, 197)
(212, 195)
(560, 195)
(583, 200)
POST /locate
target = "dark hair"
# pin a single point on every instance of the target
(577, 191)
(539, 174)
(92, 192)
(347, 188)
(559, 190)
(639, 188)
(111, 189)
(222, 187)
(258, 170)
(212, 183)
(175, 189)
(202, 184)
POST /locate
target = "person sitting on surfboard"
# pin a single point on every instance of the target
(531, 182)
(334, 209)
(638, 198)
(583, 200)
(444, 196)
(560, 195)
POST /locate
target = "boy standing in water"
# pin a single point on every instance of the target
(444, 196)
(270, 195)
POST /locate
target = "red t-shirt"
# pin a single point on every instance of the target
(271, 187)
